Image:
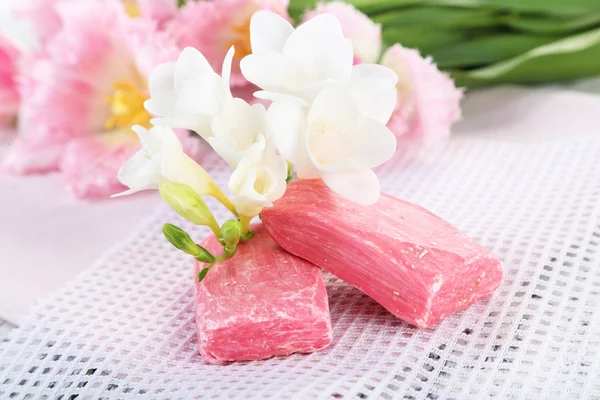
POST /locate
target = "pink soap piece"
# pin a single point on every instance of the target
(262, 302)
(413, 263)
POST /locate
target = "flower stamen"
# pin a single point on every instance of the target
(127, 107)
(241, 39)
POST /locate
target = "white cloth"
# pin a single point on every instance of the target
(47, 237)
(125, 327)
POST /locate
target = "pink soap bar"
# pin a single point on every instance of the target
(262, 302)
(416, 265)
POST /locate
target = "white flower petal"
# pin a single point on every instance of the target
(199, 124)
(180, 168)
(237, 128)
(359, 186)
(265, 70)
(190, 64)
(161, 86)
(372, 145)
(226, 70)
(287, 124)
(268, 32)
(139, 173)
(281, 97)
(373, 88)
(317, 50)
(201, 95)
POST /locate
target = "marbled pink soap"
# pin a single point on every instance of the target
(261, 303)
(413, 263)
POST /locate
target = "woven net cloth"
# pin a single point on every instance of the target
(124, 329)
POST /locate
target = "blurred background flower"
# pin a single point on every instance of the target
(9, 95)
(83, 88)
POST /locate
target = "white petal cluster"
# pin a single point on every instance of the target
(189, 94)
(328, 117)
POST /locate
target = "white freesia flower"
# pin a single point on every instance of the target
(341, 137)
(161, 159)
(258, 180)
(188, 93)
(237, 129)
(300, 62)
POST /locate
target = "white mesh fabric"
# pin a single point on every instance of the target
(125, 328)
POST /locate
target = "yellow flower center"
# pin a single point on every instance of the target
(131, 8)
(127, 106)
(241, 39)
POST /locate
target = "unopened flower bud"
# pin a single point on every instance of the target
(231, 231)
(187, 203)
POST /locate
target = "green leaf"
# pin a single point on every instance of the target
(424, 38)
(544, 6)
(248, 236)
(486, 50)
(574, 57)
(297, 7)
(438, 17)
(202, 274)
(205, 256)
(552, 25)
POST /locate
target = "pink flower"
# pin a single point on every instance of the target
(160, 11)
(46, 20)
(428, 101)
(42, 14)
(214, 26)
(364, 33)
(9, 96)
(82, 92)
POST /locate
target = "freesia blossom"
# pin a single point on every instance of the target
(428, 101)
(258, 180)
(188, 93)
(335, 140)
(296, 62)
(9, 95)
(82, 92)
(237, 129)
(364, 33)
(213, 27)
(162, 159)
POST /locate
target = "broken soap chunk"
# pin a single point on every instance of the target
(413, 263)
(261, 303)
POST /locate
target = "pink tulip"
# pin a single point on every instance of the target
(82, 92)
(9, 96)
(428, 101)
(214, 26)
(364, 33)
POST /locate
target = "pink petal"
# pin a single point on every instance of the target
(9, 95)
(428, 101)
(416, 265)
(90, 167)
